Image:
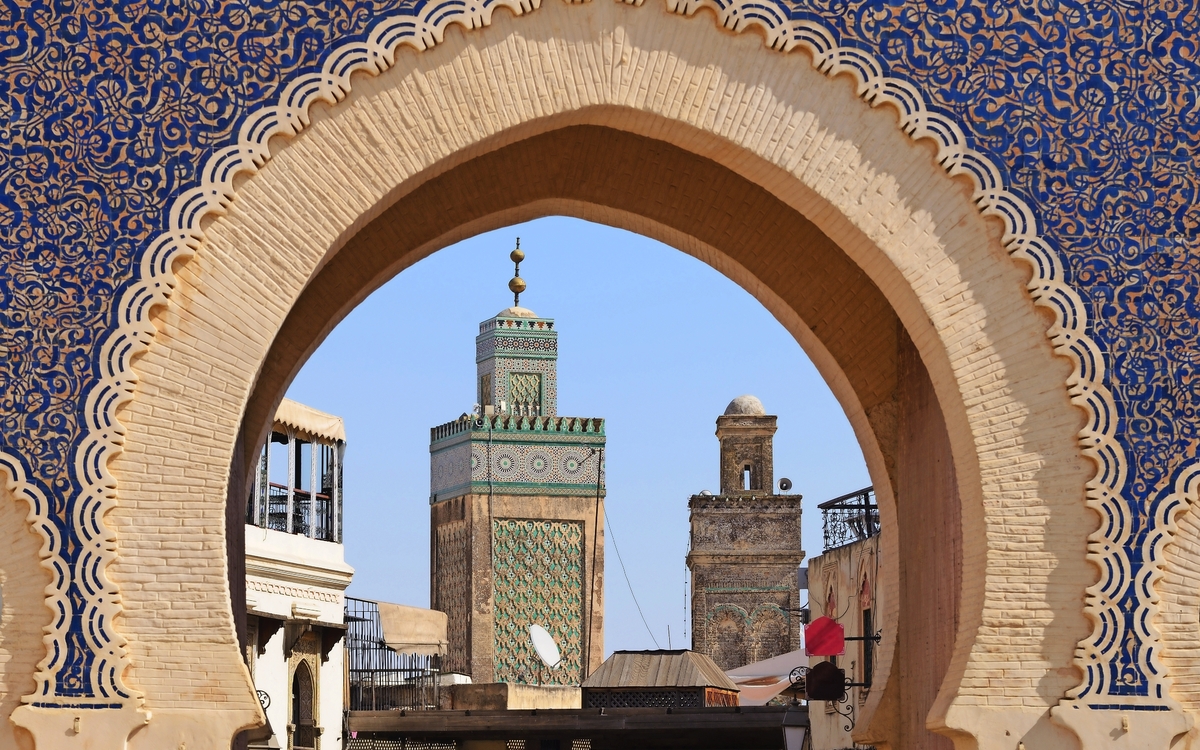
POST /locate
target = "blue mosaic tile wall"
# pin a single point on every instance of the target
(109, 109)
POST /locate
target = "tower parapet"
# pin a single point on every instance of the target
(516, 455)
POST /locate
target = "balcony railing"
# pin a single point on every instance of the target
(850, 518)
(307, 510)
(310, 503)
(381, 679)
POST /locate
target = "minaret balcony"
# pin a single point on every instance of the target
(515, 423)
(517, 455)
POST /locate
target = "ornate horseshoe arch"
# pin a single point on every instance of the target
(87, 658)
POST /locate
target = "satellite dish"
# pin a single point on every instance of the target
(544, 645)
(785, 484)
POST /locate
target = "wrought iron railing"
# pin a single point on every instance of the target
(316, 508)
(306, 509)
(381, 679)
(849, 518)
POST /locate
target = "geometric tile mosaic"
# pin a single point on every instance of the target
(539, 455)
(538, 580)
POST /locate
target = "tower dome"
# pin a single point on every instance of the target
(747, 404)
(516, 312)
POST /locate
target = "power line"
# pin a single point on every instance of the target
(686, 570)
(608, 521)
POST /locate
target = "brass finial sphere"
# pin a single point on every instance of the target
(517, 285)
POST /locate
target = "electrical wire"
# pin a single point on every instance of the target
(611, 535)
(685, 592)
(587, 656)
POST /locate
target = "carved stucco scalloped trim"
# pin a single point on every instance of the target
(55, 590)
(98, 548)
(1184, 493)
(1068, 333)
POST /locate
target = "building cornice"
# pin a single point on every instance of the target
(752, 557)
(783, 505)
(295, 572)
(522, 489)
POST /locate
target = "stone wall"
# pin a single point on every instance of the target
(23, 612)
(744, 551)
(842, 583)
(931, 562)
(485, 601)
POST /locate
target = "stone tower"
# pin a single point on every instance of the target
(745, 548)
(517, 507)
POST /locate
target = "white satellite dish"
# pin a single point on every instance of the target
(544, 645)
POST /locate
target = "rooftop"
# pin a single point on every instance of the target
(661, 668)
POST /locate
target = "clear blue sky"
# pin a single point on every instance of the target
(652, 340)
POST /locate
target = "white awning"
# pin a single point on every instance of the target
(763, 680)
(307, 419)
(413, 630)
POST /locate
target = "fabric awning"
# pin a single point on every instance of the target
(413, 630)
(307, 419)
(763, 680)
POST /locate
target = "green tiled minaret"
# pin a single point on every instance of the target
(517, 504)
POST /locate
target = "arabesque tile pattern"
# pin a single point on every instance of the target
(111, 111)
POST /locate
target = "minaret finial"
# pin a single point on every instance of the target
(517, 285)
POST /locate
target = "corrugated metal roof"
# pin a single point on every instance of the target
(626, 669)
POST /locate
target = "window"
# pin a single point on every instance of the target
(525, 390)
(276, 491)
(303, 465)
(746, 478)
(485, 390)
(304, 475)
(305, 733)
(868, 647)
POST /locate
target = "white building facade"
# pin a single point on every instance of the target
(842, 586)
(296, 577)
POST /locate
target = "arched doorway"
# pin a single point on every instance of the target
(854, 237)
(303, 723)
